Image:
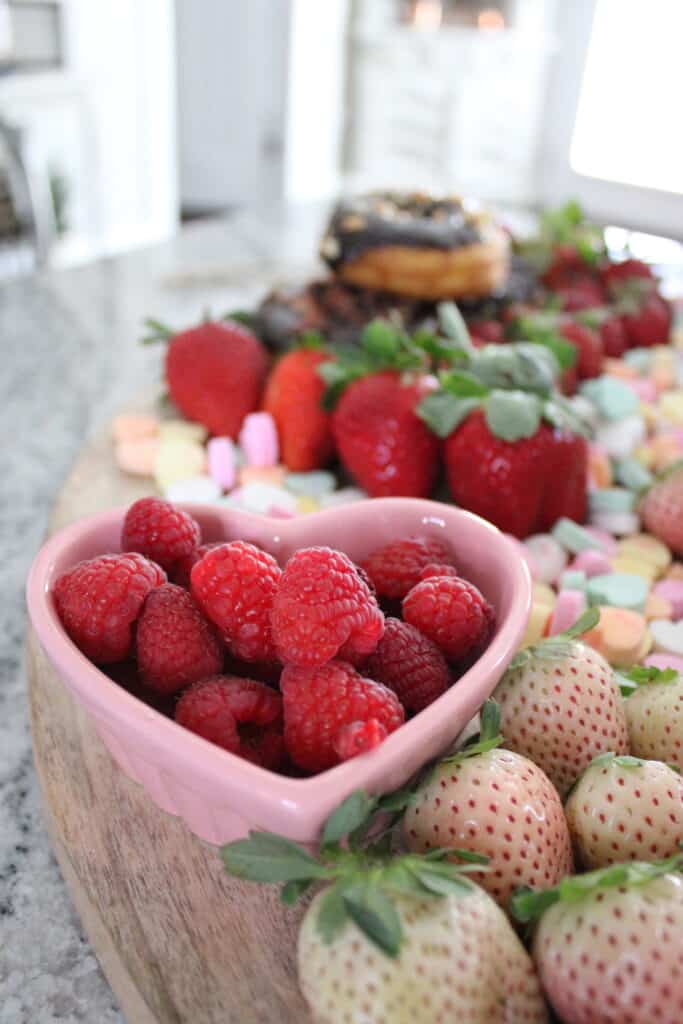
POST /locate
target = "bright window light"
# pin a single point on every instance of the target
(628, 123)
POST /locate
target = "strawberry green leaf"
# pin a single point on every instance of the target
(240, 316)
(381, 340)
(350, 815)
(265, 857)
(641, 675)
(583, 624)
(527, 904)
(560, 413)
(490, 721)
(440, 884)
(453, 325)
(443, 412)
(441, 350)
(463, 384)
(332, 911)
(310, 340)
(157, 331)
(512, 415)
(292, 891)
(518, 366)
(376, 916)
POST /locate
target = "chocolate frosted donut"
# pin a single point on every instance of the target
(411, 244)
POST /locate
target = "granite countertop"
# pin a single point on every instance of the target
(69, 361)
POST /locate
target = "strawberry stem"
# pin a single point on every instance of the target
(157, 331)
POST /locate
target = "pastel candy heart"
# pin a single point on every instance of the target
(274, 475)
(672, 590)
(657, 607)
(607, 541)
(619, 589)
(344, 496)
(617, 523)
(631, 474)
(258, 439)
(572, 579)
(611, 499)
(178, 459)
(306, 505)
(646, 548)
(182, 430)
(614, 399)
(592, 563)
(664, 661)
(260, 496)
(547, 556)
(644, 388)
(671, 406)
(675, 571)
(573, 537)
(640, 359)
(635, 567)
(599, 467)
(621, 437)
(539, 618)
(199, 489)
(620, 636)
(134, 427)
(313, 484)
(569, 606)
(220, 453)
(668, 636)
(545, 595)
(137, 457)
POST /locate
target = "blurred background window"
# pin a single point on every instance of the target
(121, 118)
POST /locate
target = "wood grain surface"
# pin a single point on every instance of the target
(178, 940)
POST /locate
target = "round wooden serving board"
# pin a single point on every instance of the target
(178, 940)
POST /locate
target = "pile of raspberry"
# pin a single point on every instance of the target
(296, 667)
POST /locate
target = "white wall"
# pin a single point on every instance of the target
(232, 71)
(121, 52)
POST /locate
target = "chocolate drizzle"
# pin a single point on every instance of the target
(398, 218)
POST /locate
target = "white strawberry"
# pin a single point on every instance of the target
(460, 960)
(394, 940)
(496, 803)
(608, 945)
(561, 706)
(624, 808)
(654, 715)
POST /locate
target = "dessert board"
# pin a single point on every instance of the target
(178, 940)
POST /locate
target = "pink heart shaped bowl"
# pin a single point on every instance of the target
(220, 796)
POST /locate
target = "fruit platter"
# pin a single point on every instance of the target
(369, 693)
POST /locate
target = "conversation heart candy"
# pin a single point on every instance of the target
(675, 571)
(620, 636)
(599, 467)
(344, 496)
(672, 590)
(570, 605)
(631, 474)
(620, 589)
(572, 579)
(306, 505)
(261, 497)
(614, 399)
(592, 563)
(274, 475)
(645, 547)
(258, 439)
(617, 523)
(537, 624)
(548, 557)
(667, 636)
(220, 453)
(200, 489)
(620, 437)
(574, 537)
(134, 427)
(137, 457)
(312, 485)
(178, 459)
(611, 499)
(671, 406)
(634, 566)
(657, 607)
(182, 430)
(545, 595)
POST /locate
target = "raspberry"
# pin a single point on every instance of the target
(359, 738)
(176, 646)
(320, 702)
(322, 605)
(452, 613)
(438, 569)
(240, 715)
(182, 569)
(409, 664)
(158, 530)
(234, 585)
(99, 600)
(395, 568)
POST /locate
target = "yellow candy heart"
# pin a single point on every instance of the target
(644, 547)
(182, 430)
(178, 459)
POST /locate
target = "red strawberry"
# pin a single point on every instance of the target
(607, 948)
(584, 292)
(613, 336)
(489, 331)
(215, 374)
(560, 705)
(496, 803)
(380, 439)
(623, 808)
(510, 482)
(588, 347)
(293, 397)
(647, 322)
(566, 265)
(614, 274)
(409, 664)
(395, 567)
(661, 509)
(320, 702)
(240, 715)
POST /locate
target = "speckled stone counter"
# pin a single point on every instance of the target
(68, 360)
